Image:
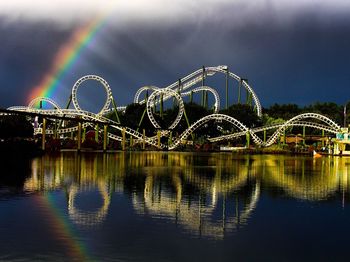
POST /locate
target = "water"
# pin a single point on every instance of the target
(157, 206)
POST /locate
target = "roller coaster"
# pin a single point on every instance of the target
(184, 87)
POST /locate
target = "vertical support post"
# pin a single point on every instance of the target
(250, 98)
(158, 138)
(170, 140)
(84, 134)
(79, 136)
(55, 130)
(247, 97)
(188, 123)
(124, 139)
(345, 115)
(264, 136)
(226, 86)
(161, 105)
(131, 141)
(322, 138)
(205, 99)
(304, 135)
(140, 122)
(284, 136)
(61, 123)
(96, 132)
(105, 136)
(143, 139)
(248, 139)
(115, 110)
(43, 142)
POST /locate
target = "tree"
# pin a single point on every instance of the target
(329, 109)
(284, 111)
(243, 113)
(13, 126)
(132, 118)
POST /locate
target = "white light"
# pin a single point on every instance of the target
(63, 11)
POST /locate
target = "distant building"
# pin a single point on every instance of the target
(342, 143)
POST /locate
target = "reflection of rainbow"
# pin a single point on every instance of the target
(62, 230)
(66, 58)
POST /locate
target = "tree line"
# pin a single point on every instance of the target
(136, 118)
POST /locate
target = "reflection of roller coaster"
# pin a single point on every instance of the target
(209, 201)
(182, 88)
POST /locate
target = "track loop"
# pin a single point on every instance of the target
(104, 84)
(151, 102)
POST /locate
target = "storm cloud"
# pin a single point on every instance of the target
(291, 51)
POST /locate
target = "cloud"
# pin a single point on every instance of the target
(167, 11)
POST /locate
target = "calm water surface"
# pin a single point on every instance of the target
(157, 206)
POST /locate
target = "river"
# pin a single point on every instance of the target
(172, 206)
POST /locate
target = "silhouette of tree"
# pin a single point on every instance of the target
(15, 126)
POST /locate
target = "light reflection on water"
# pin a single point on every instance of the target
(207, 197)
(190, 190)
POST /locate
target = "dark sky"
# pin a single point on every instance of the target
(289, 56)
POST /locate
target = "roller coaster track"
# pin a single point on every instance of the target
(198, 76)
(151, 102)
(216, 117)
(177, 90)
(333, 127)
(278, 126)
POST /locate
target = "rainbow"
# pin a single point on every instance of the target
(62, 230)
(66, 57)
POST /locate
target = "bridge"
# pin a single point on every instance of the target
(184, 87)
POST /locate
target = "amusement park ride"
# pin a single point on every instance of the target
(184, 87)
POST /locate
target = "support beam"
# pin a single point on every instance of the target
(142, 117)
(79, 137)
(161, 106)
(143, 139)
(170, 140)
(96, 133)
(43, 141)
(248, 139)
(61, 123)
(55, 130)
(105, 137)
(115, 110)
(131, 144)
(322, 138)
(124, 139)
(158, 138)
(84, 135)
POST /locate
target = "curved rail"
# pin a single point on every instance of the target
(151, 103)
(198, 76)
(96, 78)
